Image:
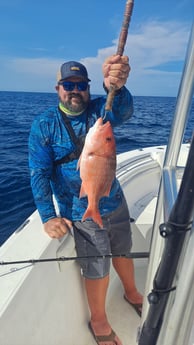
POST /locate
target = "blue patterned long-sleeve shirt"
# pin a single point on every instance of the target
(49, 141)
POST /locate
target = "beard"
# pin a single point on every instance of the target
(76, 103)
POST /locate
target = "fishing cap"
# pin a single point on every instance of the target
(72, 69)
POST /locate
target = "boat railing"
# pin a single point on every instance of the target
(168, 187)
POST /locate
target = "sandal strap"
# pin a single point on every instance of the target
(110, 337)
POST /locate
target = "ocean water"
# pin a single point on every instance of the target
(149, 126)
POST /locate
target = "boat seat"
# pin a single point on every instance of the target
(142, 230)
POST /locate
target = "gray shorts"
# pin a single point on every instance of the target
(114, 238)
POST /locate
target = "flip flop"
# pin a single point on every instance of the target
(101, 338)
(136, 306)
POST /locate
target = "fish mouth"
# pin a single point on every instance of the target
(101, 124)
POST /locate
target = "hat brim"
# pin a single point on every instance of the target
(59, 79)
(76, 76)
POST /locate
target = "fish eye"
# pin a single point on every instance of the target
(108, 139)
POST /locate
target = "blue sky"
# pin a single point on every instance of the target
(37, 36)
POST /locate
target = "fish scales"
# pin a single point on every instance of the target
(97, 167)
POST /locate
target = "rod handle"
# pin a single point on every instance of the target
(120, 49)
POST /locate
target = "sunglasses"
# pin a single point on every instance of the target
(70, 85)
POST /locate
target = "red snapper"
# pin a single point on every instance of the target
(97, 165)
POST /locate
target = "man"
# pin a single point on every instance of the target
(55, 144)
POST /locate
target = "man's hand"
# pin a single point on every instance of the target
(116, 71)
(57, 227)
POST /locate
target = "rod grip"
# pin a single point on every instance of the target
(120, 49)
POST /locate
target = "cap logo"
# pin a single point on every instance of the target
(74, 68)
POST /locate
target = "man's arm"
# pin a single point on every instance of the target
(116, 71)
(41, 165)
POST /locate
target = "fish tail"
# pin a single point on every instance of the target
(95, 215)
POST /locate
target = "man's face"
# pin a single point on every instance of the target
(75, 100)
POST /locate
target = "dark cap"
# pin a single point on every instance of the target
(72, 69)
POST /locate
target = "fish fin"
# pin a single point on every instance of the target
(108, 188)
(95, 215)
(78, 163)
(82, 192)
(107, 191)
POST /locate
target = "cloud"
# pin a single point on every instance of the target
(154, 47)
(158, 43)
(41, 66)
(29, 74)
(150, 47)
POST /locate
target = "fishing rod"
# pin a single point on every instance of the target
(120, 48)
(174, 232)
(135, 255)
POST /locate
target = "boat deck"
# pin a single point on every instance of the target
(50, 296)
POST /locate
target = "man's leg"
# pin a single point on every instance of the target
(125, 270)
(96, 290)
